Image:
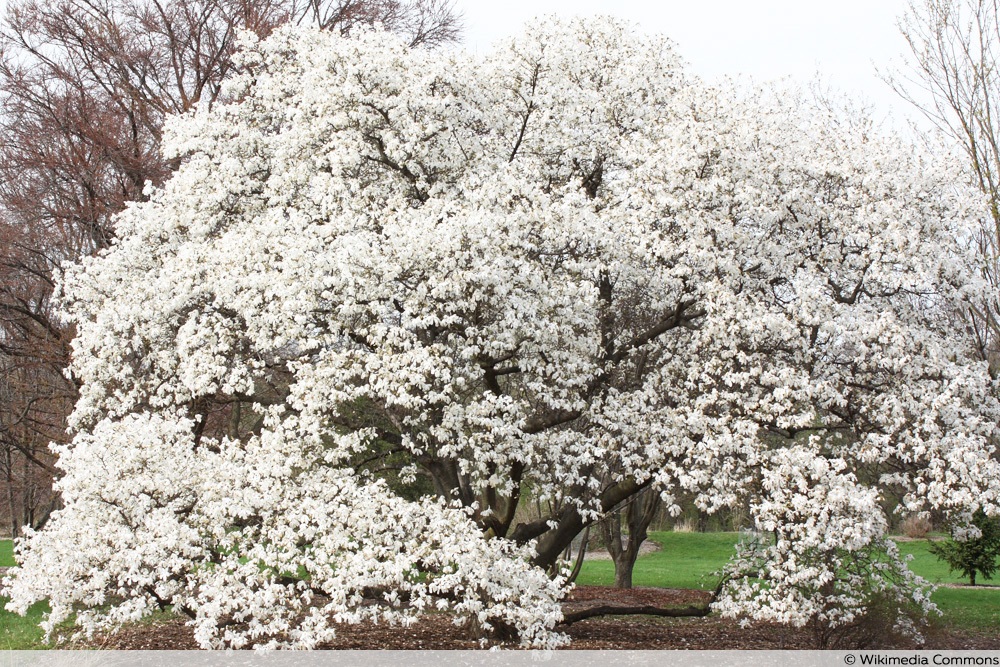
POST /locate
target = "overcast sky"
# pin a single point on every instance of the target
(767, 39)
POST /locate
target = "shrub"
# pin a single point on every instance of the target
(916, 526)
(686, 525)
(887, 621)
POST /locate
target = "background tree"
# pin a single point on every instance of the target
(86, 86)
(953, 80)
(974, 548)
(625, 529)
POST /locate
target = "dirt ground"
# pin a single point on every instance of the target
(438, 632)
(647, 547)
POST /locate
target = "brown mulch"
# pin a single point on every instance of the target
(438, 632)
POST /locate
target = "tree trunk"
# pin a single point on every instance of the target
(638, 513)
(578, 565)
(28, 494)
(551, 542)
(623, 573)
(11, 508)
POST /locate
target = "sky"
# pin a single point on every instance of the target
(844, 42)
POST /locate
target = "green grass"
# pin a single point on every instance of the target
(19, 632)
(969, 609)
(973, 609)
(929, 567)
(685, 560)
(6, 553)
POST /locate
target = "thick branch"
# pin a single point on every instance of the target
(569, 522)
(671, 320)
(615, 609)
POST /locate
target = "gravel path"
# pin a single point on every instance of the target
(646, 547)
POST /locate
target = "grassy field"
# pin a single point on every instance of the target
(17, 632)
(685, 560)
(929, 567)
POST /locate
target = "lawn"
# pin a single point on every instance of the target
(685, 560)
(929, 567)
(977, 608)
(18, 632)
(22, 632)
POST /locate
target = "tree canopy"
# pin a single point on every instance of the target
(565, 268)
(85, 86)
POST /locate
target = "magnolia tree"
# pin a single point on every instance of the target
(564, 268)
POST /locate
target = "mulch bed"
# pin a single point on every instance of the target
(437, 631)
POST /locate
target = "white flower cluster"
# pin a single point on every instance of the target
(263, 546)
(822, 555)
(563, 267)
